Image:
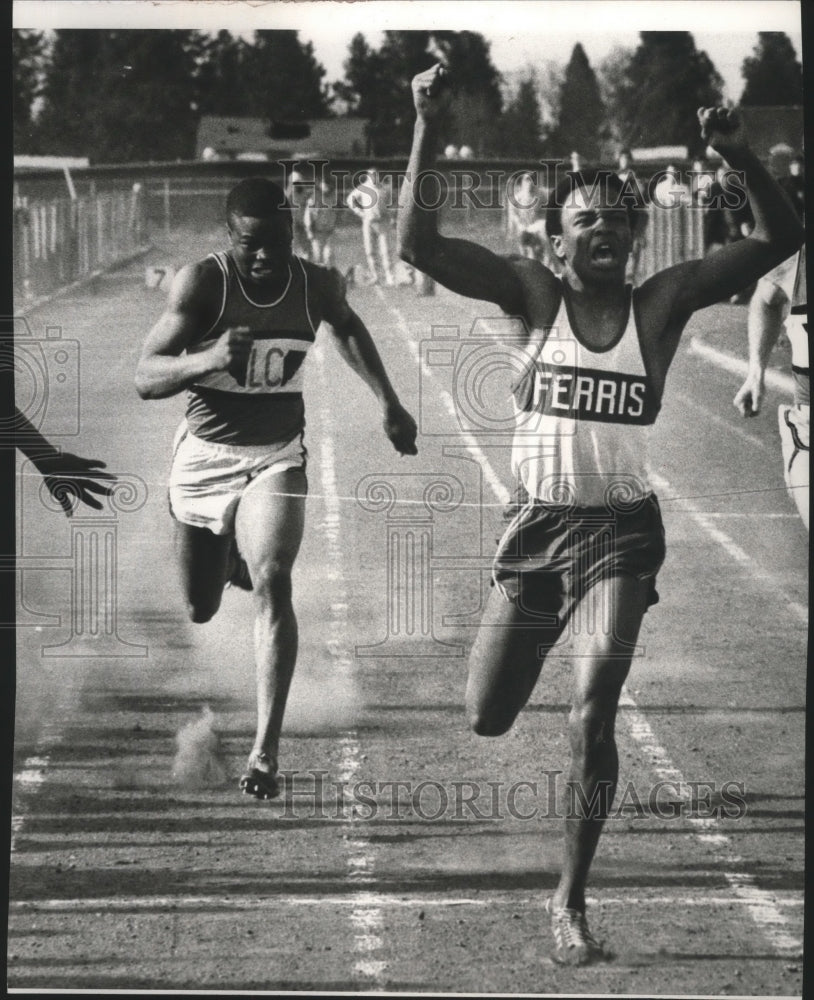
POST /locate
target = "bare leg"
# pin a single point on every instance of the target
(601, 665)
(203, 562)
(269, 531)
(368, 237)
(504, 664)
(384, 256)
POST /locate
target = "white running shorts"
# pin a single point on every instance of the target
(207, 480)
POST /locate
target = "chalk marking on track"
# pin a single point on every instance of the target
(366, 918)
(112, 904)
(33, 773)
(731, 547)
(737, 366)
(758, 903)
(727, 425)
(500, 492)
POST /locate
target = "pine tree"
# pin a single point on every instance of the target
(522, 121)
(773, 73)
(581, 111)
(221, 77)
(286, 79)
(658, 93)
(27, 52)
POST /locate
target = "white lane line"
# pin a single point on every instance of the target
(362, 919)
(500, 492)
(759, 903)
(728, 426)
(366, 918)
(31, 776)
(732, 549)
(738, 366)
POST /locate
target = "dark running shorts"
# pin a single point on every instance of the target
(549, 557)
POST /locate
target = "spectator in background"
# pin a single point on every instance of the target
(296, 191)
(372, 202)
(451, 152)
(670, 192)
(727, 216)
(465, 153)
(701, 181)
(794, 184)
(525, 225)
(319, 220)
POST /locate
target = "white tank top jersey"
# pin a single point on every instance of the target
(584, 417)
(797, 320)
(269, 408)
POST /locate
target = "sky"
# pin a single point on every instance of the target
(521, 32)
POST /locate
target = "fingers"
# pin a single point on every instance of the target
(718, 119)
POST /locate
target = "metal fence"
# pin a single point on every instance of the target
(59, 242)
(673, 235)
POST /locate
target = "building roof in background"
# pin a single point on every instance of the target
(770, 127)
(232, 136)
(57, 162)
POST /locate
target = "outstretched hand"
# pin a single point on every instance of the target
(431, 92)
(402, 430)
(722, 128)
(70, 478)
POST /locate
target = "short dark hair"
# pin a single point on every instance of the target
(615, 190)
(258, 198)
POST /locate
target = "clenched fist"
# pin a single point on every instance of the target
(431, 92)
(231, 352)
(722, 129)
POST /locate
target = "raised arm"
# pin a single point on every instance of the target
(192, 307)
(357, 349)
(776, 235)
(460, 265)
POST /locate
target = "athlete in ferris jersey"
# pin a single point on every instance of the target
(266, 407)
(583, 416)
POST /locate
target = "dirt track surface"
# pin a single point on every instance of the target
(124, 879)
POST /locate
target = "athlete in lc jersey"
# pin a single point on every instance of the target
(235, 333)
(586, 538)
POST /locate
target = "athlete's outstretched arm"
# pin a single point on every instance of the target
(67, 477)
(192, 307)
(777, 233)
(356, 346)
(460, 265)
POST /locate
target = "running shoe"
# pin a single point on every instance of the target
(573, 942)
(260, 779)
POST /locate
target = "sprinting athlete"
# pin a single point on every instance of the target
(789, 298)
(586, 540)
(235, 333)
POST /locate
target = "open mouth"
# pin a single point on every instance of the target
(604, 254)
